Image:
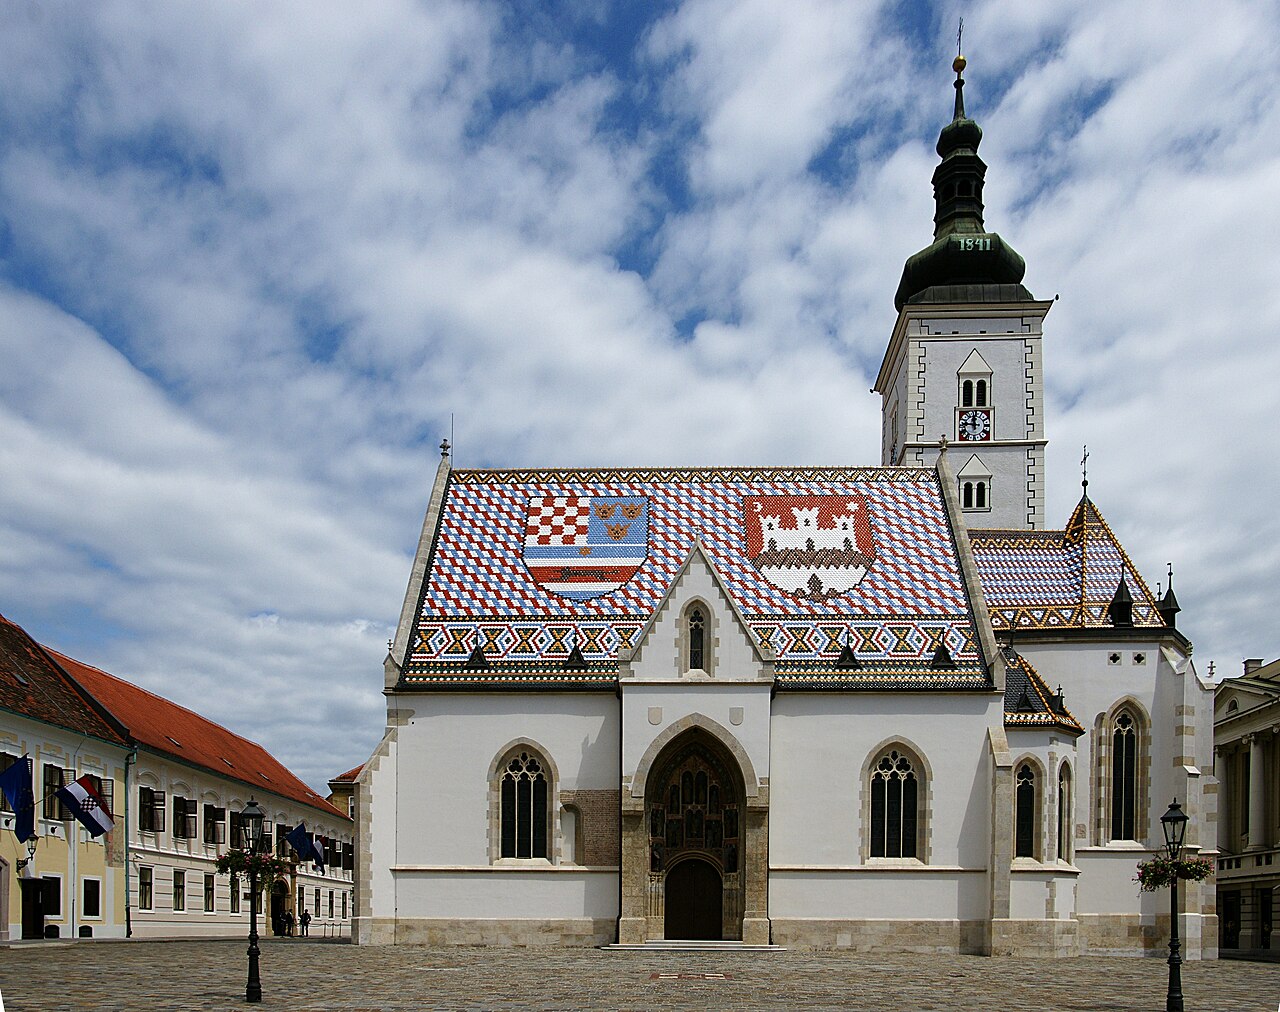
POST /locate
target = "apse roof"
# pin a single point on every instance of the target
(528, 565)
(1059, 579)
(1028, 700)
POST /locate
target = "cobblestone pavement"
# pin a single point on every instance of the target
(301, 976)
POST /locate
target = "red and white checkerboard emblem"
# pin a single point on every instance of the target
(558, 520)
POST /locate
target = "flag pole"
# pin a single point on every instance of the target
(73, 838)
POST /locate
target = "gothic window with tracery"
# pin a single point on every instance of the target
(1025, 812)
(697, 640)
(1064, 813)
(894, 812)
(524, 807)
(1124, 778)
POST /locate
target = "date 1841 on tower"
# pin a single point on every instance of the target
(969, 243)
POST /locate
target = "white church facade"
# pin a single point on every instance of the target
(850, 707)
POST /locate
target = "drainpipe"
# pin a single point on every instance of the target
(129, 760)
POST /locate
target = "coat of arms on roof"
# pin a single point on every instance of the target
(813, 546)
(584, 546)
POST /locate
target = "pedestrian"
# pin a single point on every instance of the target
(288, 923)
(305, 921)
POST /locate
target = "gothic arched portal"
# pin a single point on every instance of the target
(695, 821)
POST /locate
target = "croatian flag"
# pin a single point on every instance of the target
(86, 805)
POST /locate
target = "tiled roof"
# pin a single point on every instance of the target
(1028, 701)
(32, 684)
(1059, 579)
(527, 565)
(165, 727)
(348, 777)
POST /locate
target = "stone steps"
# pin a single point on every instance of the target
(694, 945)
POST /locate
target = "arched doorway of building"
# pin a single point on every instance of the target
(279, 899)
(694, 901)
(696, 813)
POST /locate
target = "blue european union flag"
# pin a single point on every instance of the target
(17, 784)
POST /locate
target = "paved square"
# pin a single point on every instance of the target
(303, 975)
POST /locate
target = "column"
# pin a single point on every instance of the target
(1224, 808)
(1257, 795)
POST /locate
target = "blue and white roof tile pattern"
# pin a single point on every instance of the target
(1059, 579)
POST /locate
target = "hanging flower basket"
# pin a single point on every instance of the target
(265, 866)
(1162, 872)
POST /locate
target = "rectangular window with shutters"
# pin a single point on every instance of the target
(344, 906)
(209, 900)
(215, 825)
(348, 857)
(236, 836)
(146, 894)
(55, 777)
(151, 809)
(185, 818)
(266, 846)
(179, 890)
(282, 844)
(302, 900)
(330, 904)
(235, 894)
(317, 901)
(91, 898)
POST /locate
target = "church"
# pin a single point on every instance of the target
(865, 708)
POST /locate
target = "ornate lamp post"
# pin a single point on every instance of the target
(24, 867)
(251, 822)
(1174, 824)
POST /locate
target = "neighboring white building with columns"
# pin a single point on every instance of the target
(1247, 766)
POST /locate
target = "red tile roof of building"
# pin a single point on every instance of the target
(32, 684)
(165, 727)
(349, 776)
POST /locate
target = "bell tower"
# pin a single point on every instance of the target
(964, 359)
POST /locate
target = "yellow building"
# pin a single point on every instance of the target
(73, 886)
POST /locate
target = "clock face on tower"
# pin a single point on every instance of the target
(975, 425)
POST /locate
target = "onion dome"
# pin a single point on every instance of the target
(965, 262)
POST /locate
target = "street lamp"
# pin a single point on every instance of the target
(251, 829)
(1174, 824)
(24, 867)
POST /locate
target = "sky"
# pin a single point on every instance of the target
(257, 260)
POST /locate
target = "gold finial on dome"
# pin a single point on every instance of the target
(958, 64)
